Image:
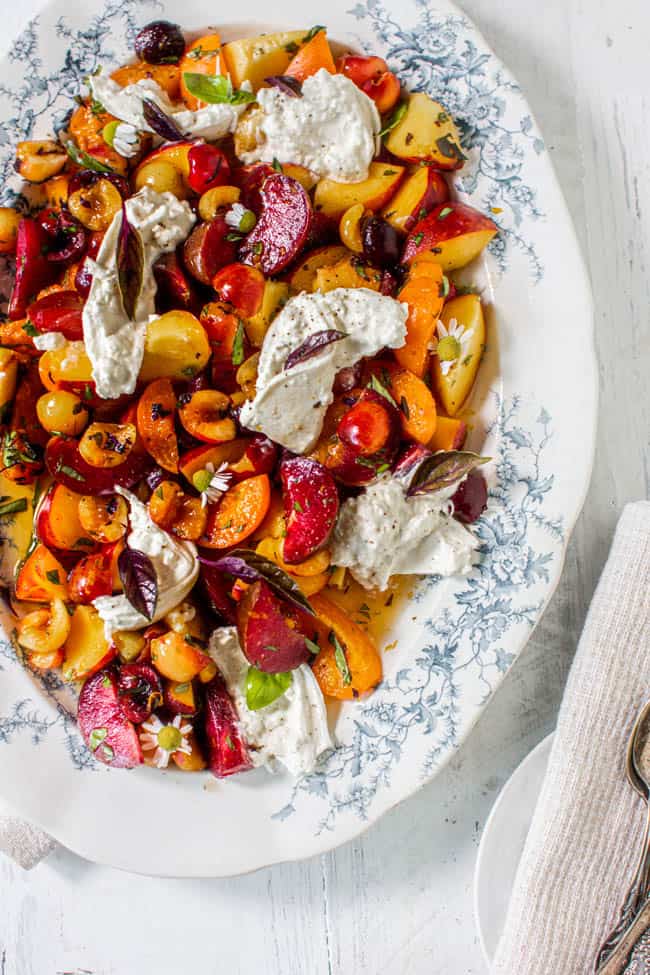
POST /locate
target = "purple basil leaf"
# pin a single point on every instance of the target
(160, 122)
(313, 345)
(249, 566)
(130, 265)
(444, 469)
(286, 84)
(139, 580)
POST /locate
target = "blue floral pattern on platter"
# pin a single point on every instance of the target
(506, 592)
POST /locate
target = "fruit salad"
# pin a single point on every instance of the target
(233, 373)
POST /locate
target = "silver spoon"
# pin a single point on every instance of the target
(637, 767)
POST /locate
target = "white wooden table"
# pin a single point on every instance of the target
(399, 899)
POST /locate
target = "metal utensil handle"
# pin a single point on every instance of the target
(635, 900)
(632, 953)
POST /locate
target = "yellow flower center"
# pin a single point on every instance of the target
(448, 348)
(170, 738)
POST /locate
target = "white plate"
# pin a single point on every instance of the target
(502, 844)
(534, 411)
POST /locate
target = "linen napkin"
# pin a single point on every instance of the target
(27, 845)
(584, 841)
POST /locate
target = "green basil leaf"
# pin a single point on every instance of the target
(13, 507)
(379, 387)
(263, 689)
(444, 469)
(130, 265)
(215, 89)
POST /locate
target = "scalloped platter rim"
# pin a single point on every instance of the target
(534, 412)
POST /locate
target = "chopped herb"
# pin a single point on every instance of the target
(312, 33)
(230, 745)
(292, 47)
(194, 641)
(364, 609)
(96, 737)
(298, 507)
(444, 213)
(82, 159)
(96, 107)
(233, 236)
(409, 138)
(422, 214)
(394, 119)
(189, 371)
(108, 752)
(340, 658)
(467, 359)
(365, 462)
(182, 688)
(442, 118)
(312, 646)
(106, 681)
(389, 601)
(390, 172)
(30, 329)
(53, 576)
(87, 542)
(237, 355)
(88, 392)
(404, 407)
(258, 247)
(70, 472)
(13, 507)
(159, 492)
(198, 52)
(417, 240)
(361, 270)
(379, 387)
(444, 287)
(276, 165)
(382, 468)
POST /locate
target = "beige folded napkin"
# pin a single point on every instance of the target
(24, 843)
(584, 841)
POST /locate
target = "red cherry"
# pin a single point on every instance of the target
(209, 167)
(366, 427)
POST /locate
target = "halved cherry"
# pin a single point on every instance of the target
(83, 278)
(241, 286)
(209, 167)
(67, 466)
(372, 76)
(140, 691)
(370, 425)
(94, 575)
(68, 238)
(58, 312)
(175, 290)
(205, 416)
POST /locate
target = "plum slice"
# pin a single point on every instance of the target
(470, 498)
(311, 506)
(271, 630)
(282, 227)
(208, 248)
(33, 270)
(226, 747)
(103, 723)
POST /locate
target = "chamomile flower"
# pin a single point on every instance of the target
(453, 343)
(164, 739)
(124, 138)
(212, 484)
(239, 218)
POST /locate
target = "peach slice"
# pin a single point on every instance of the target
(452, 235)
(256, 58)
(57, 520)
(426, 132)
(303, 276)
(454, 386)
(419, 193)
(41, 577)
(333, 199)
(86, 650)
